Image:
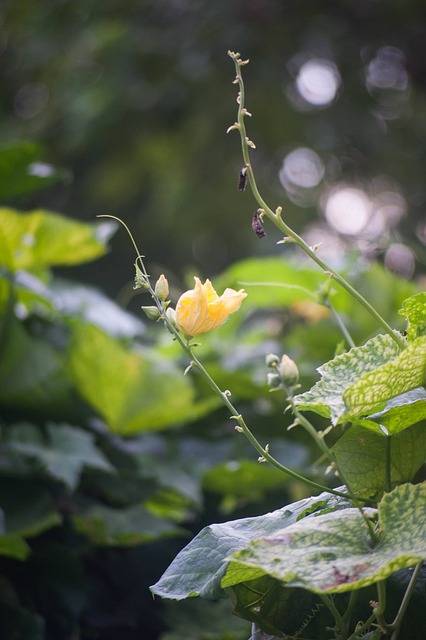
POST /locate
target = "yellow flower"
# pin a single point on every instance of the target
(200, 309)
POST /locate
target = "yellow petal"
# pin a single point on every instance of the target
(200, 309)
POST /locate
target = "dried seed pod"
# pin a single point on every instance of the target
(257, 225)
(242, 179)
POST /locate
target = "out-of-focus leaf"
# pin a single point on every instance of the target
(41, 239)
(14, 546)
(62, 450)
(414, 309)
(28, 507)
(332, 553)
(361, 455)
(32, 374)
(133, 392)
(23, 172)
(123, 527)
(241, 478)
(199, 568)
(77, 300)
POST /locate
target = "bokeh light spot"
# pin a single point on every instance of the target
(347, 209)
(400, 259)
(303, 168)
(318, 82)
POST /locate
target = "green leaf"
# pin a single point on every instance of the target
(32, 372)
(242, 478)
(326, 396)
(28, 506)
(402, 373)
(13, 546)
(399, 413)
(332, 553)
(133, 392)
(198, 569)
(279, 610)
(414, 309)
(272, 282)
(22, 172)
(361, 455)
(127, 527)
(63, 450)
(41, 239)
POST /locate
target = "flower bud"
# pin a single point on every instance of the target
(273, 380)
(171, 316)
(272, 360)
(161, 288)
(151, 312)
(288, 371)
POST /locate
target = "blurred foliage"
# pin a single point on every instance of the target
(110, 459)
(134, 98)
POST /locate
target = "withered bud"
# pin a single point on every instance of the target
(257, 225)
(242, 179)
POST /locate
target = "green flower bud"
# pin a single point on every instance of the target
(151, 312)
(162, 288)
(272, 360)
(273, 380)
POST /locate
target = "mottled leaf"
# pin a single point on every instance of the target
(333, 552)
(402, 373)
(414, 309)
(326, 396)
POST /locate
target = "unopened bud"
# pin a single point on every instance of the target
(151, 312)
(171, 317)
(162, 288)
(288, 371)
(272, 360)
(273, 380)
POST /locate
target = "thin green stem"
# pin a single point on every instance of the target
(340, 324)
(275, 216)
(396, 624)
(265, 456)
(329, 603)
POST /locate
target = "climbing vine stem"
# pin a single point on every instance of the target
(276, 216)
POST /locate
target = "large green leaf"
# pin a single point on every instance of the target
(398, 413)
(61, 449)
(40, 239)
(361, 455)
(198, 569)
(332, 553)
(132, 391)
(326, 396)
(13, 546)
(23, 172)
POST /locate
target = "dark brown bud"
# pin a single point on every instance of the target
(242, 179)
(257, 225)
